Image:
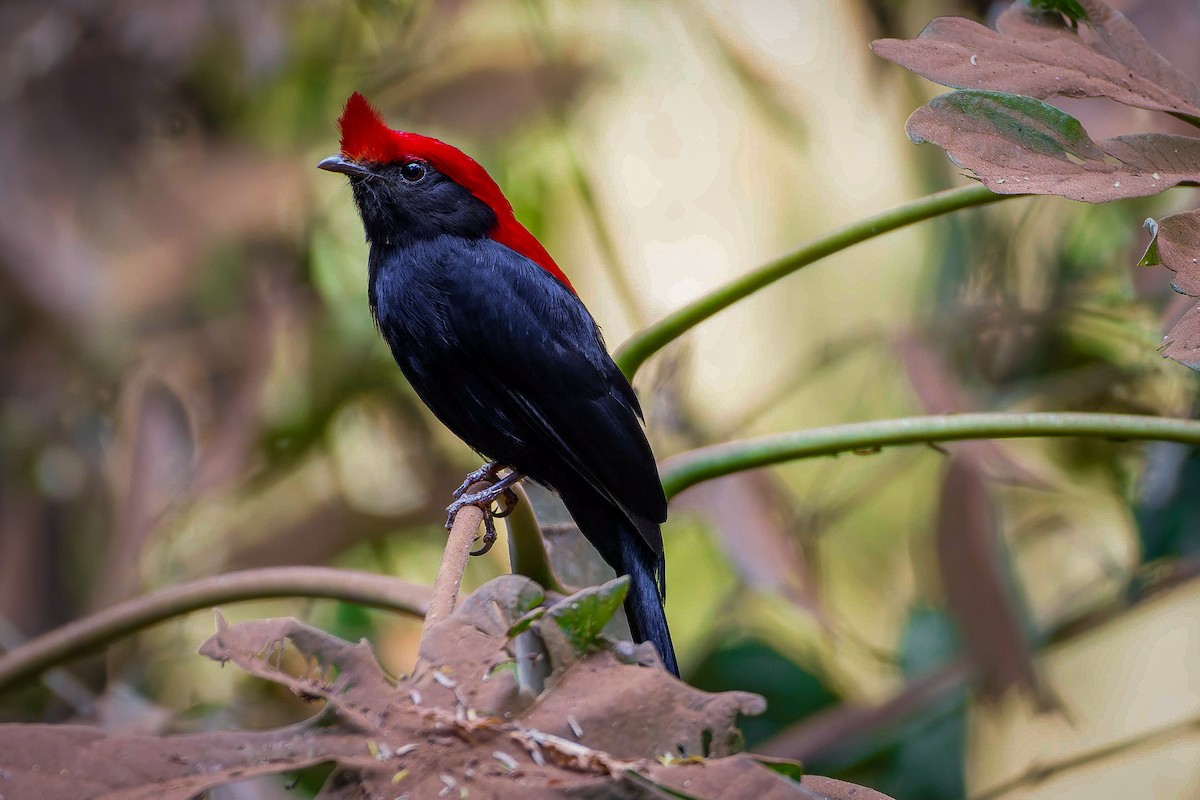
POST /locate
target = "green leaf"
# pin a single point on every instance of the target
(522, 624)
(1035, 125)
(1071, 9)
(792, 770)
(582, 616)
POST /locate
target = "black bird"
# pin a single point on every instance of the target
(493, 338)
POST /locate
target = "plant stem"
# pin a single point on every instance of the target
(454, 561)
(79, 637)
(639, 347)
(527, 547)
(705, 463)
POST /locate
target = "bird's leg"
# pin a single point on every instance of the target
(500, 491)
(485, 473)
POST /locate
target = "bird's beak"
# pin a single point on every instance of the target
(344, 166)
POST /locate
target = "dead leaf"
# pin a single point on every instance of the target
(998, 127)
(1183, 342)
(344, 674)
(692, 722)
(939, 391)
(1036, 54)
(1176, 245)
(977, 594)
(1021, 145)
(832, 789)
(603, 728)
(68, 762)
(752, 518)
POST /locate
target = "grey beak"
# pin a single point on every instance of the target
(342, 165)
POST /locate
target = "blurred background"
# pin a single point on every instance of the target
(190, 382)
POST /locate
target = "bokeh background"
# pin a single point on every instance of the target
(190, 382)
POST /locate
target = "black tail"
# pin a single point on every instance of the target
(628, 552)
(644, 603)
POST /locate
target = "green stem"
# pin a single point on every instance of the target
(527, 548)
(695, 466)
(79, 637)
(639, 347)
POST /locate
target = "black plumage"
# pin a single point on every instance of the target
(509, 359)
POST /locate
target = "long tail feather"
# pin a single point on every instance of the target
(644, 604)
(625, 548)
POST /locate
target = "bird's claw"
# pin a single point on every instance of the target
(500, 492)
(485, 473)
(508, 501)
(489, 534)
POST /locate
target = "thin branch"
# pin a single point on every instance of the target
(527, 547)
(844, 726)
(695, 466)
(66, 686)
(83, 635)
(639, 347)
(454, 561)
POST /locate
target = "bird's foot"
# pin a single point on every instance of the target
(500, 491)
(487, 472)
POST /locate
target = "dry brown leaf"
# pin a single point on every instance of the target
(695, 723)
(68, 762)
(977, 596)
(346, 675)
(998, 128)
(1176, 245)
(940, 392)
(1019, 145)
(457, 726)
(750, 514)
(744, 778)
(1040, 56)
(1183, 342)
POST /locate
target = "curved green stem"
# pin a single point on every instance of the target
(79, 637)
(527, 548)
(695, 466)
(639, 347)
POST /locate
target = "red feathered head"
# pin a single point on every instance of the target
(366, 139)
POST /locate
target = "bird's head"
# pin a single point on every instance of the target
(410, 187)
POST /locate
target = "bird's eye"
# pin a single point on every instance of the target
(413, 171)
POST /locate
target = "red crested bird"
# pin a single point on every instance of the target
(493, 338)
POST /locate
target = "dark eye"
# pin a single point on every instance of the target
(413, 171)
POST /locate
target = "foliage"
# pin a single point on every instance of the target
(460, 721)
(1017, 144)
(192, 386)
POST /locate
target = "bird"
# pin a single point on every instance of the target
(495, 340)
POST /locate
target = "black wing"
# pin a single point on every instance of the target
(520, 372)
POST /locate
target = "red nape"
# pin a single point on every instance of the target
(366, 139)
